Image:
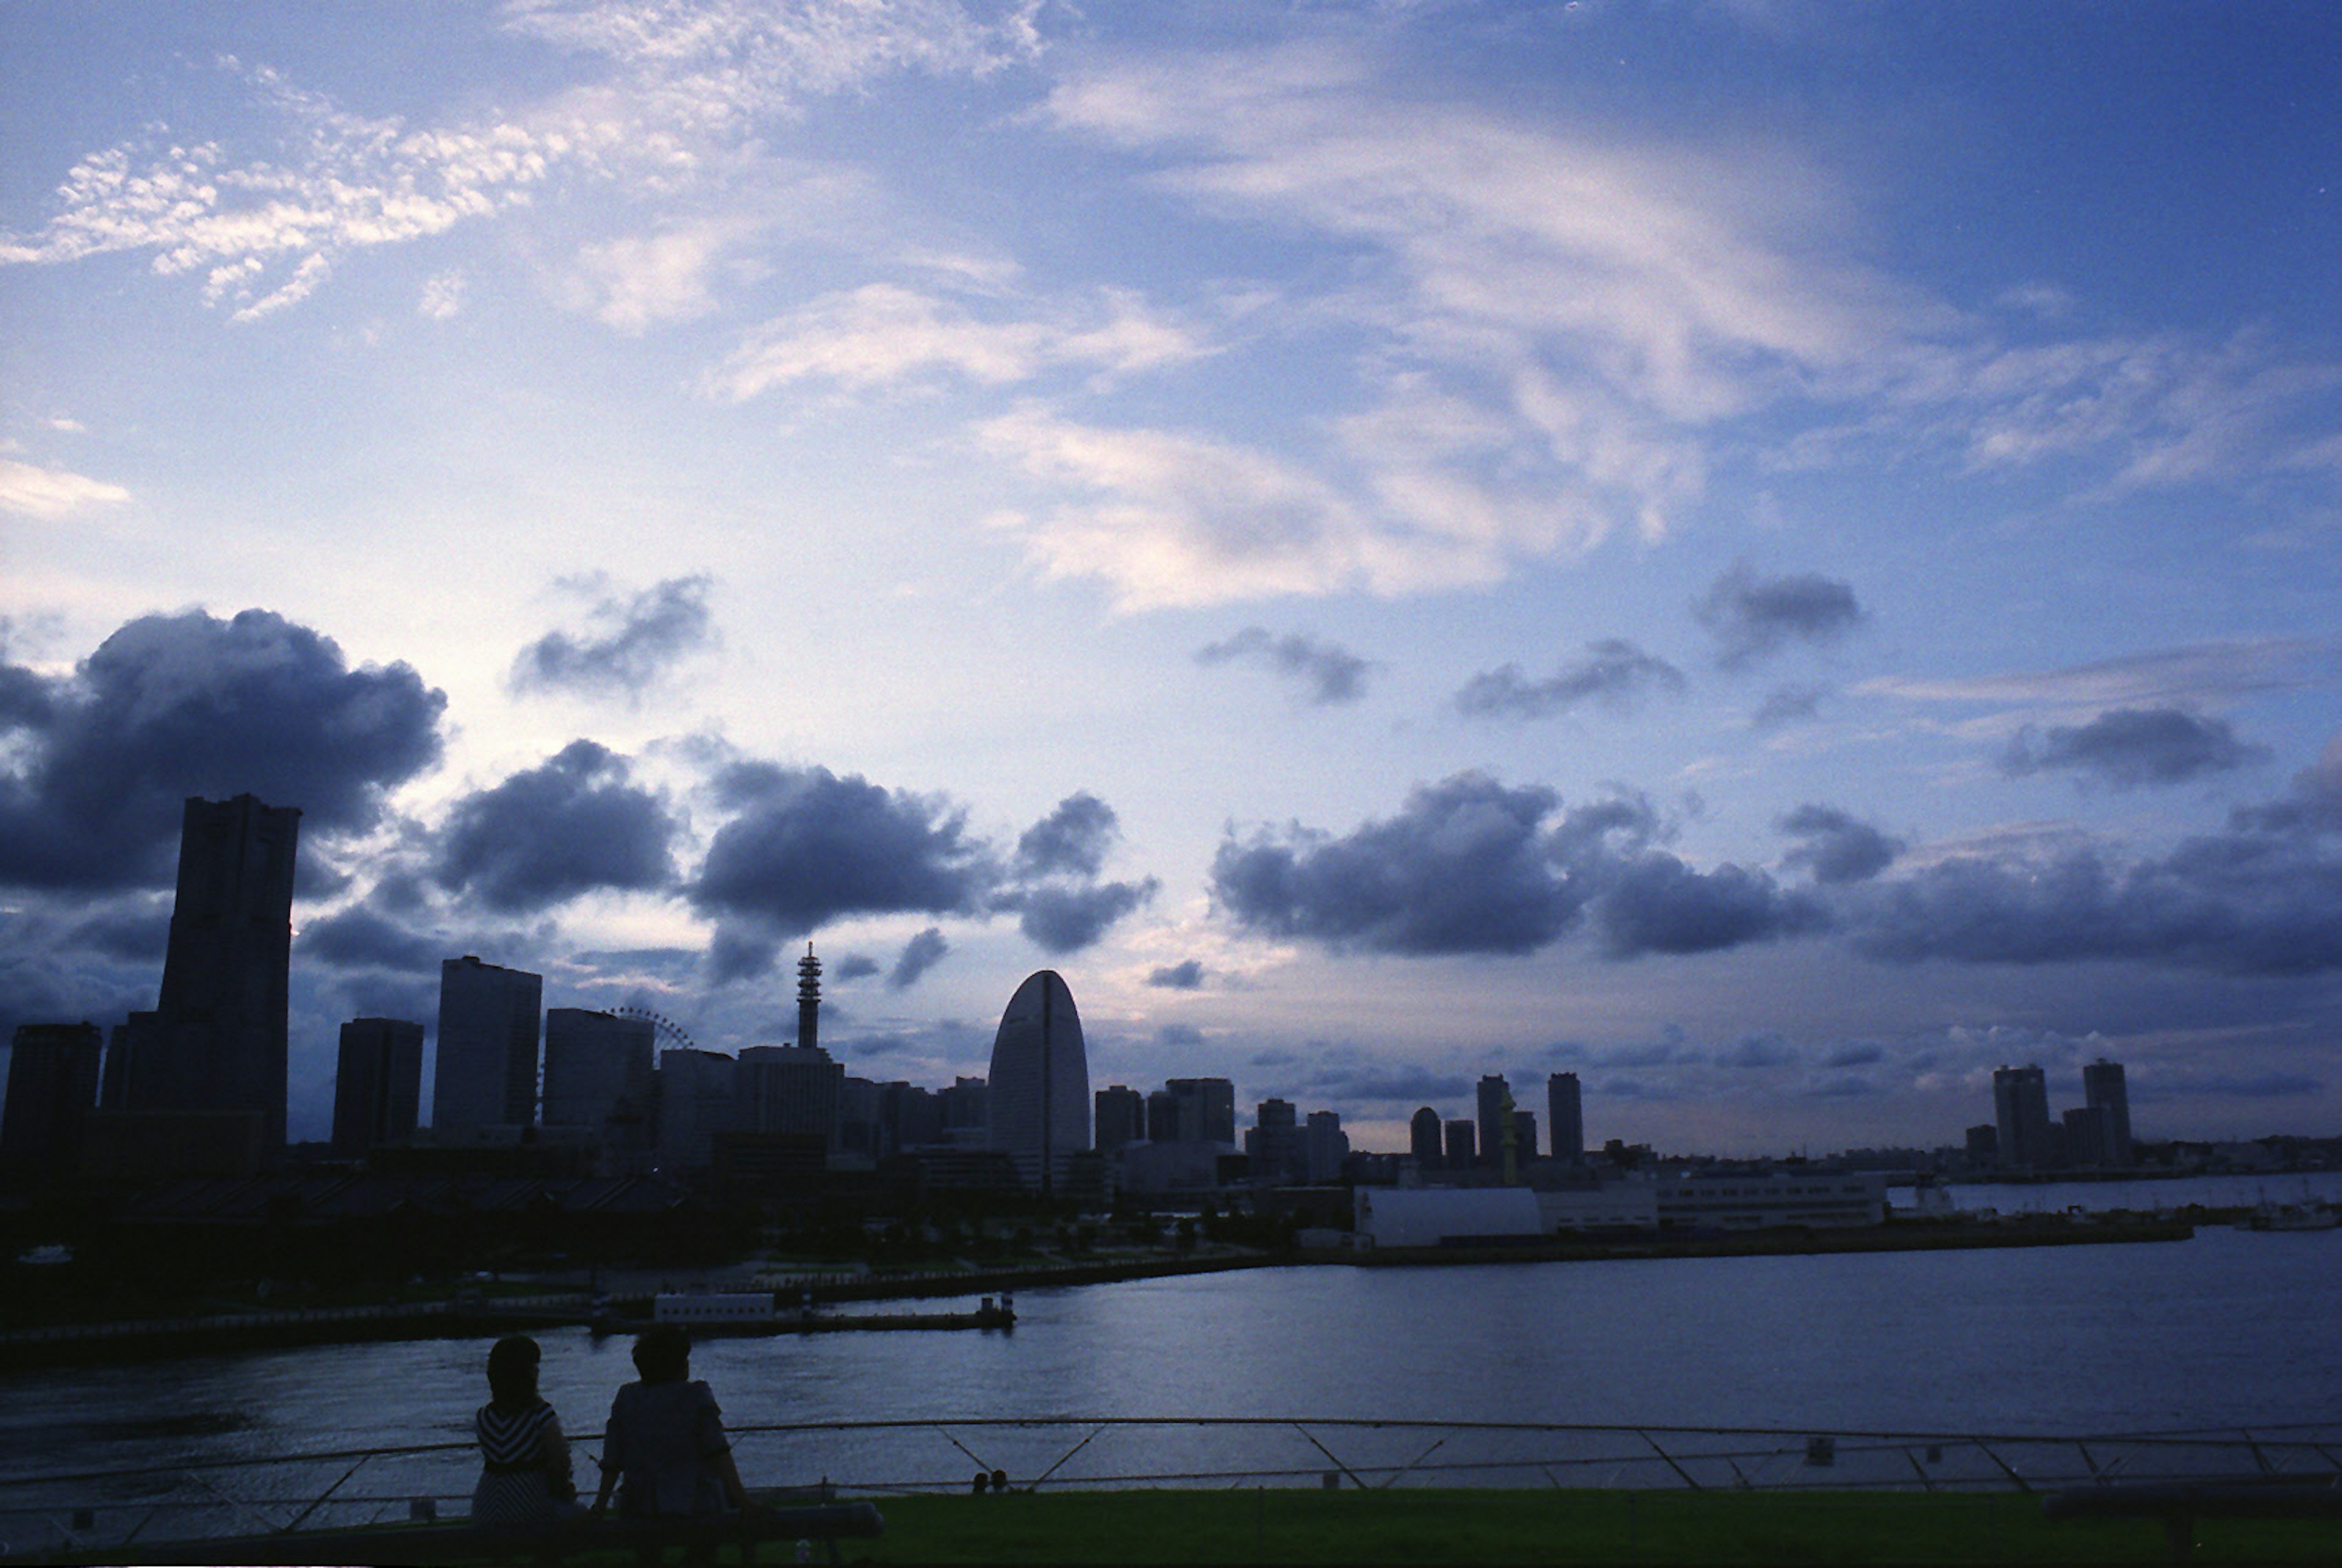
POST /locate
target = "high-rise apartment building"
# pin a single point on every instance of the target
(1423, 1139)
(1208, 1109)
(1040, 1082)
(2020, 1103)
(1463, 1151)
(1566, 1118)
(377, 1085)
(1121, 1117)
(1274, 1145)
(53, 1072)
(793, 1089)
(1495, 1105)
(486, 1075)
(2103, 1088)
(1328, 1146)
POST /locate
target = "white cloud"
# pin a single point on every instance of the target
(52, 493)
(441, 298)
(2206, 674)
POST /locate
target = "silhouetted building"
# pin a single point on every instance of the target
(1208, 1109)
(1984, 1143)
(1566, 1116)
(486, 1073)
(1121, 1117)
(2084, 1132)
(1328, 1147)
(1524, 1136)
(597, 1075)
(1274, 1146)
(131, 1039)
(53, 1073)
(1040, 1081)
(791, 1089)
(809, 1000)
(218, 1042)
(1495, 1099)
(1162, 1116)
(695, 1103)
(966, 1112)
(1462, 1151)
(2020, 1103)
(1423, 1139)
(2103, 1088)
(377, 1085)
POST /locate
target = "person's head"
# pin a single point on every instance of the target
(511, 1369)
(663, 1353)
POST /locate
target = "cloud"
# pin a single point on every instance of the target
(571, 826)
(1067, 919)
(359, 938)
(441, 298)
(633, 643)
(2128, 747)
(882, 335)
(1178, 1035)
(1836, 848)
(1329, 672)
(854, 966)
(1612, 672)
(1188, 974)
(50, 494)
(1861, 1055)
(806, 847)
(1653, 903)
(1379, 1084)
(137, 932)
(92, 786)
(1072, 839)
(2314, 803)
(1753, 617)
(919, 954)
(1787, 704)
(2205, 673)
(1756, 1051)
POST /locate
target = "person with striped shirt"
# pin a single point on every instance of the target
(525, 1476)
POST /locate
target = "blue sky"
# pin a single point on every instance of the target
(1776, 556)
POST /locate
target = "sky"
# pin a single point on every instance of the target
(1775, 556)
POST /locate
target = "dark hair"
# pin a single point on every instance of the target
(512, 1369)
(663, 1353)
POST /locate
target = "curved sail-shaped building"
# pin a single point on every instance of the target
(1039, 1099)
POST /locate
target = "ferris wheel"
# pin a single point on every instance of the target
(663, 1026)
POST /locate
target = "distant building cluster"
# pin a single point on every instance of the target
(2022, 1137)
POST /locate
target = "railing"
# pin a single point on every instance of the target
(92, 1510)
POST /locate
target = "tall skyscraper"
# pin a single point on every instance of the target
(2103, 1088)
(694, 1102)
(1462, 1152)
(2020, 1104)
(1495, 1105)
(1423, 1139)
(1566, 1116)
(377, 1085)
(53, 1069)
(809, 1000)
(1121, 1117)
(794, 1089)
(218, 1039)
(1274, 1144)
(1328, 1147)
(488, 1020)
(1208, 1109)
(598, 1073)
(1040, 1082)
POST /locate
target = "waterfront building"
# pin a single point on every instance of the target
(1328, 1147)
(377, 1085)
(1040, 1082)
(1462, 1152)
(2103, 1089)
(1121, 1113)
(695, 1103)
(791, 1090)
(1423, 1139)
(53, 1073)
(1496, 1100)
(217, 1042)
(809, 1000)
(1984, 1143)
(597, 1075)
(1207, 1110)
(1274, 1146)
(2085, 1133)
(1566, 1118)
(2020, 1103)
(1744, 1202)
(486, 1073)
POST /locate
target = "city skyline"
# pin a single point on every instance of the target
(1778, 559)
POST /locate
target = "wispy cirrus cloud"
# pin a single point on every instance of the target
(31, 491)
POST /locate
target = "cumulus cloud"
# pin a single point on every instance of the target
(1188, 974)
(1788, 704)
(571, 826)
(1837, 847)
(1653, 903)
(633, 642)
(1612, 672)
(1753, 617)
(2128, 747)
(919, 954)
(360, 938)
(2314, 803)
(1072, 839)
(1067, 919)
(1329, 673)
(98, 762)
(854, 966)
(50, 494)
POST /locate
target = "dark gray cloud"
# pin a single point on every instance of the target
(1469, 865)
(1071, 841)
(2313, 805)
(1838, 848)
(2158, 1087)
(1612, 672)
(1788, 706)
(95, 766)
(1753, 617)
(919, 954)
(359, 938)
(1380, 1083)
(137, 930)
(1188, 974)
(2128, 747)
(854, 966)
(1067, 919)
(1329, 673)
(570, 826)
(739, 952)
(1754, 1051)
(1858, 1055)
(807, 848)
(632, 642)
(1178, 1035)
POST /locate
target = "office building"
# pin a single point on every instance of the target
(2103, 1089)
(1462, 1152)
(1040, 1082)
(966, 1112)
(1525, 1135)
(1328, 1146)
(598, 1073)
(1206, 1110)
(486, 1073)
(788, 1089)
(1566, 1118)
(1423, 1139)
(695, 1103)
(1495, 1105)
(1121, 1117)
(2085, 1132)
(2020, 1103)
(1162, 1116)
(1274, 1146)
(377, 1085)
(53, 1073)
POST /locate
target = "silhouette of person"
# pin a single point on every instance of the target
(524, 1455)
(664, 1452)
